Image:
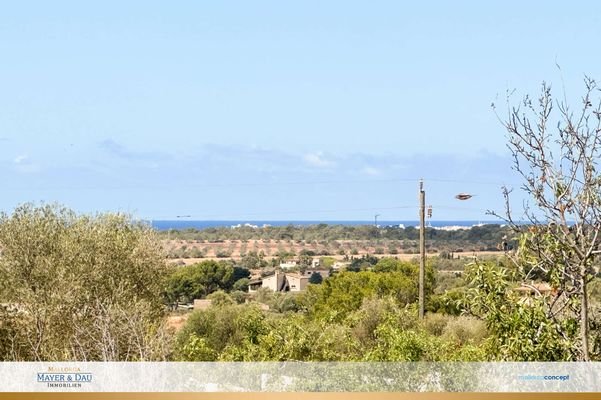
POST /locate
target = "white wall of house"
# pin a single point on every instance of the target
(297, 283)
(288, 265)
(274, 282)
(323, 272)
(281, 281)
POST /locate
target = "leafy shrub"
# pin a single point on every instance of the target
(465, 330)
(220, 299)
(218, 327)
(435, 324)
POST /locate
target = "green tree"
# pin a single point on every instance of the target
(283, 302)
(241, 284)
(556, 151)
(296, 338)
(362, 263)
(345, 291)
(520, 328)
(80, 287)
(315, 278)
(254, 260)
(199, 280)
(220, 298)
(207, 334)
(239, 296)
(375, 311)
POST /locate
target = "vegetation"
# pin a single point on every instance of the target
(110, 275)
(556, 151)
(325, 240)
(80, 288)
(199, 280)
(324, 232)
(378, 330)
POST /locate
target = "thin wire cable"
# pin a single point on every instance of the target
(214, 185)
(241, 216)
(328, 182)
(472, 182)
(221, 216)
(255, 184)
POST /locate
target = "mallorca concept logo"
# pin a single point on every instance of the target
(64, 377)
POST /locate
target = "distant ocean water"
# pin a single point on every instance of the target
(164, 225)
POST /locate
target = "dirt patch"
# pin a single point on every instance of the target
(177, 322)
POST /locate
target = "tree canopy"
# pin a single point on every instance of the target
(78, 287)
(556, 147)
(199, 280)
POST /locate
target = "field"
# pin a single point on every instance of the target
(193, 251)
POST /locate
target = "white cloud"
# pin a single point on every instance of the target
(371, 171)
(21, 159)
(118, 150)
(23, 164)
(318, 160)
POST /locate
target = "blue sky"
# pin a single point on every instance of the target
(274, 110)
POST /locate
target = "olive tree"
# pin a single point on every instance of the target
(79, 287)
(556, 150)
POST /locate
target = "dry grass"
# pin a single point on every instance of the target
(176, 322)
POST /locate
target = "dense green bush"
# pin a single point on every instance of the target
(199, 280)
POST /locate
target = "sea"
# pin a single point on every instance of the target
(164, 225)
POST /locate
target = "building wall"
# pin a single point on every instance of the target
(274, 282)
(253, 286)
(281, 282)
(297, 283)
(202, 304)
(323, 272)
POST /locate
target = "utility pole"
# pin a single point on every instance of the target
(422, 245)
(376, 220)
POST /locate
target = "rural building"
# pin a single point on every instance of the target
(275, 282)
(280, 282)
(288, 265)
(296, 282)
(529, 291)
(533, 289)
(340, 265)
(202, 304)
(325, 273)
(255, 284)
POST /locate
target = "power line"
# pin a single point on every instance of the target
(213, 185)
(438, 207)
(289, 212)
(243, 216)
(465, 181)
(252, 184)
